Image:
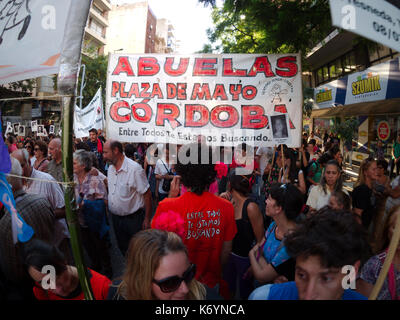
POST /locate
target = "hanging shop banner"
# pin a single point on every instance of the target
(325, 96)
(90, 117)
(227, 99)
(35, 27)
(378, 21)
(368, 85)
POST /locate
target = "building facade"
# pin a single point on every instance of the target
(132, 28)
(356, 78)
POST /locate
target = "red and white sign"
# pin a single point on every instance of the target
(383, 130)
(227, 99)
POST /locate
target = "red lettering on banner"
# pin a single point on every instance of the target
(171, 115)
(204, 67)
(181, 91)
(114, 111)
(233, 116)
(171, 91)
(219, 92)
(147, 111)
(252, 94)
(134, 90)
(144, 93)
(123, 65)
(228, 72)
(199, 93)
(253, 117)
(261, 64)
(148, 66)
(122, 92)
(156, 91)
(183, 65)
(235, 90)
(190, 110)
(288, 63)
(115, 88)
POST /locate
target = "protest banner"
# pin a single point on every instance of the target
(34, 27)
(228, 99)
(90, 117)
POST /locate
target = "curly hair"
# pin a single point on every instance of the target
(199, 172)
(334, 236)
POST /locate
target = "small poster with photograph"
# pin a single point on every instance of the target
(34, 126)
(10, 129)
(60, 132)
(45, 132)
(21, 131)
(16, 128)
(40, 131)
(280, 129)
(51, 130)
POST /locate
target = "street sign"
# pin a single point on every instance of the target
(378, 21)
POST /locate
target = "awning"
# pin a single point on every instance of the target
(382, 107)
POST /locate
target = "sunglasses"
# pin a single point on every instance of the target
(36, 149)
(171, 284)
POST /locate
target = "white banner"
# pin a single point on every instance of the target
(378, 21)
(31, 35)
(228, 99)
(89, 117)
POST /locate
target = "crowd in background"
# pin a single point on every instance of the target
(203, 230)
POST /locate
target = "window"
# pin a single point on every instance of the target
(96, 28)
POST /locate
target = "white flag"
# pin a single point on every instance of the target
(89, 117)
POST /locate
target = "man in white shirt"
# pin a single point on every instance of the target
(53, 193)
(129, 196)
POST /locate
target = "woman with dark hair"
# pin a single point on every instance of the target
(269, 258)
(331, 181)
(372, 268)
(290, 173)
(38, 254)
(157, 268)
(208, 219)
(41, 161)
(250, 226)
(29, 146)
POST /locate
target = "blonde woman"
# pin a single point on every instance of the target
(157, 268)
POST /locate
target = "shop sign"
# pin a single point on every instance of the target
(383, 130)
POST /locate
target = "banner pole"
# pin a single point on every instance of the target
(67, 85)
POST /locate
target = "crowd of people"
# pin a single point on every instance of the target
(260, 223)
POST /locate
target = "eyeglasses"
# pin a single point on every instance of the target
(36, 149)
(171, 284)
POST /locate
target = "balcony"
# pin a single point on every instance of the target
(100, 19)
(103, 4)
(90, 34)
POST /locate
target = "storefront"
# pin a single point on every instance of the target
(373, 97)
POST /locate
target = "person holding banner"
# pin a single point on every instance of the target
(164, 175)
(129, 197)
(36, 211)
